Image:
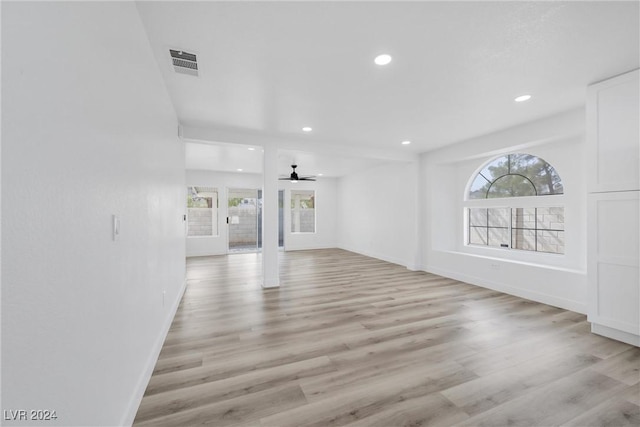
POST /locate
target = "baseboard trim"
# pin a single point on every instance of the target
(566, 304)
(195, 254)
(392, 260)
(615, 334)
(291, 248)
(415, 267)
(151, 362)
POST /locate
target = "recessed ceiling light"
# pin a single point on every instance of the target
(251, 149)
(383, 59)
(306, 129)
(239, 170)
(320, 174)
(523, 98)
(406, 142)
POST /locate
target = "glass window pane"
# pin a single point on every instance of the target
(499, 237)
(523, 239)
(479, 188)
(550, 218)
(516, 175)
(547, 181)
(478, 235)
(478, 217)
(544, 176)
(202, 211)
(499, 217)
(523, 218)
(511, 186)
(550, 241)
(242, 210)
(523, 164)
(496, 168)
(303, 212)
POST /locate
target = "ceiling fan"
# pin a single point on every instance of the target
(295, 178)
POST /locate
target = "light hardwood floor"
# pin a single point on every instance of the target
(351, 340)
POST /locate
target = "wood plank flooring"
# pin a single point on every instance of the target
(351, 340)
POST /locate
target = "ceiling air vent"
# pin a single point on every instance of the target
(184, 62)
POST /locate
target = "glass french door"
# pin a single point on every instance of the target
(243, 216)
(244, 219)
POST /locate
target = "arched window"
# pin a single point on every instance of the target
(533, 226)
(516, 175)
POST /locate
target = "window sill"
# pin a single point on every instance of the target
(517, 261)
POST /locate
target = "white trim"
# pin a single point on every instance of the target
(315, 211)
(145, 377)
(543, 201)
(308, 247)
(392, 260)
(566, 304)
(619, 325)
(615, 334)
(206, 253)
(270, 283)
(516, 261)
(415, 267)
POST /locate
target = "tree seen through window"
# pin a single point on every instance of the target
(516, 175)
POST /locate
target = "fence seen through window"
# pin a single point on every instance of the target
(531, 229)
(202, 211)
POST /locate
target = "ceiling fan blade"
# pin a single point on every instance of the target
(294, 176)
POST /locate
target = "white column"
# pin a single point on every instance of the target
(270, 277)
(418, 216)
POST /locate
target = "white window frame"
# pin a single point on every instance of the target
(526, 202)
(315, 210)
(551, 201)
(215, 215)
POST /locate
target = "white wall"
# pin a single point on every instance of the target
(88, 131)
(549, 278)
(377, 211)
(326, 211)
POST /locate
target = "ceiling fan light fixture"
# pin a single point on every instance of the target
(293, 177)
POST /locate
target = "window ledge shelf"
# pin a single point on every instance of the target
(517, 262)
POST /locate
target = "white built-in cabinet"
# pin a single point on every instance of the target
(613, 265)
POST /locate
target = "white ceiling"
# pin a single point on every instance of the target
(270, 68)
(226, 157)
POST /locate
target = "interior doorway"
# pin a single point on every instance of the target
(244, 219)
